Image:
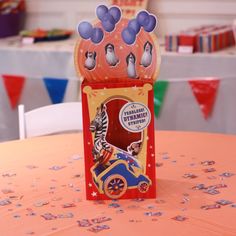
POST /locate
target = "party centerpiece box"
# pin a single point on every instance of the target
(118, 60)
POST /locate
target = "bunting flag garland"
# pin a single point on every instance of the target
(160, 88)
(205, 92)
(56, 89)
(14, 86)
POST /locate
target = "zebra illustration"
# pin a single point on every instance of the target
(99, 126)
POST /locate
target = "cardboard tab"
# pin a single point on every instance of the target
(118, 60)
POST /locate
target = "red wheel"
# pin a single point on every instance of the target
(143, 187)
(115, 186)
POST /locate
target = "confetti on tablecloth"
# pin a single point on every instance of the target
(65, 196)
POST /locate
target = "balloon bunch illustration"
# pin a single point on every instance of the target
(143, 19)
(87, 31)
(108, 17)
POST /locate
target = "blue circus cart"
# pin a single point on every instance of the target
(122, 172)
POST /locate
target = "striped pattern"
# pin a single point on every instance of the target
(99, 126)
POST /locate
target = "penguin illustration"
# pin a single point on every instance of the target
(90, 61)
(111, 58)
(131, 70)
(146, 59)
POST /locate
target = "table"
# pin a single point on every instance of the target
(181, 65)
(42, 183)
(56, 60)
(51, 59)
(34, 62)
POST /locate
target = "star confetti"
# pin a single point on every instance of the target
(67, 215)
(209, 170)
(84, 223)
(227, 174)
(217, 186)
(160, 201)
(31, 167)
(7, 191)
(49, 216)
(30, 233)
(41, 203)
(210, 207)
(153, 213)
(212, 191)
(30, 212)
(223, 202)
(189, 176)
(98, 228)
(76, 157)
(56, 168)
(211, 177)
(135, 221)
(199, 187)
(68, 205)
(158, 164)
(114, 205)
(8, 174)
(207, 163)
(179, 218)
(99, 220)
(138, 200)
(119, 211)
(185, 200)
(16, 216)
(5, 202)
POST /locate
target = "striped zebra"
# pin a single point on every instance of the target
(99, 126)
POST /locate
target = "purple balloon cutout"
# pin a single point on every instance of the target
(108, 22)
(128, 36)
(133, 24)
(150, 24)
(101, 11)
(85, 29)
(97, 35)
(142, 17)
(116, 13)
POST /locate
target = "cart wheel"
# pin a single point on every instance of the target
(115, 186)
(143, 187)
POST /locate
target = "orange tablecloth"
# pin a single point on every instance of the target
(42, 189)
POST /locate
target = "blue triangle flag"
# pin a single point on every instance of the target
(56, 89)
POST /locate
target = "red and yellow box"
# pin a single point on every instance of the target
(118, 112)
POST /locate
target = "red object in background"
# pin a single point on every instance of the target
(12, 6)
(205, 93)
(204, 39)
(14, 86)
(188, 40)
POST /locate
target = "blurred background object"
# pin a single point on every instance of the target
(173, 15)
(41, 35)
(205, 39)
(43, 73)
(12, 17)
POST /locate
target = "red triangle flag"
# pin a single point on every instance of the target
(205, 92)
(14, 85)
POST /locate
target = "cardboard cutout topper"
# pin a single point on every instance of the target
(118, 60)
